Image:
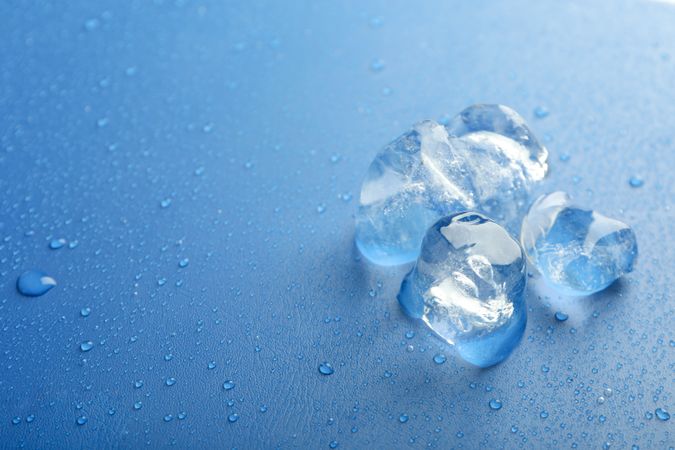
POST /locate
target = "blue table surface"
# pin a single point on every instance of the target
(236, 134)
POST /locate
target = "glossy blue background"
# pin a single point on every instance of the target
(252, 117)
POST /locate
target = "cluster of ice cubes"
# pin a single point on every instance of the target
(451, 197)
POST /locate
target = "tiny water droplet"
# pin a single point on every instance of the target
(16, 420)
(182, 415)
(662, 414)
(81, 420)
(168, 418)
(165, 203)
(138, 384)
(403, 418)
(138, 405)
(170, 381)
(326, 369)
(84, 312)
(30, 418)
(495, 404)
(56, 244)
(439, 358)
(333, 444)
(211, 365)
(233, 417)
(183, 263)
(86, 346)
(540, 112)
(543, 414)
(636, 182)
(377, 65)
(561, 316)
(34, 283)
(228, 385)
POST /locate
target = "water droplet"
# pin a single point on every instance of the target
(403, 418)
(182, 415)
(138, 405)
(170, 381)
(84, 312)
(459, 434)
(86, 346)
(601, 400)
(333, 444)
(91, 24)
(56, 244)
(34, 283)
(636, 182)
(495, 404)
(263, 408)
(564, 157)
(233, 417)
(561, 316)
(165, 203)
(377, 65)
(540, 112)
(662, 414)
(168, 418)
(376, 22)
(439, 358)
(326, 369)
(410, 334)
(30, 418)
(321, 208)
(168, 357)
(16, 420)
(138, 384)
(228, 385)
(183, 263)
(543, 414)
(212, 365)
(81, 420)
(608, 392)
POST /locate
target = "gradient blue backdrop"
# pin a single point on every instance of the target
(253, 123)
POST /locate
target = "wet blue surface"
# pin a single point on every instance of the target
(236, 135)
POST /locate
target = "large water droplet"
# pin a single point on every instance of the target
(34, 283)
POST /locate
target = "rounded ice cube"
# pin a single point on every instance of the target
(468, 286)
